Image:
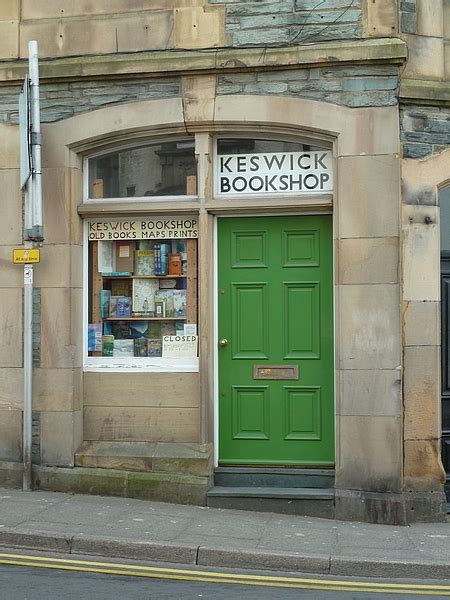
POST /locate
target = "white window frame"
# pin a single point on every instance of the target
(131, 364)
(130, 199)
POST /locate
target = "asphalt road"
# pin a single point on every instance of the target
(49, 582)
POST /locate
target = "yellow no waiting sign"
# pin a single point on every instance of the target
(23, 256)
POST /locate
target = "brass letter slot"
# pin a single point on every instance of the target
(275, 372)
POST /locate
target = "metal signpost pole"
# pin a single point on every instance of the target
(31, 182)
(38, 229)
(28, 374)
(25, 167)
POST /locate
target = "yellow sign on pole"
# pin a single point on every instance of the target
(23, 256)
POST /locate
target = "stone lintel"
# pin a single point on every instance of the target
(163, 63)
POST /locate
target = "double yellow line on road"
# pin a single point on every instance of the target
(130, 570)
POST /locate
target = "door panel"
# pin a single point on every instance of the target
(250, 326)
(301, 248)
(301, 320)
(302, 413)
(251, 412)
(275, 308)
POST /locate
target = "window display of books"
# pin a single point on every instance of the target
(139, 296)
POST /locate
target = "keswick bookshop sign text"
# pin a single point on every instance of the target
(155, 228)
(293, 173)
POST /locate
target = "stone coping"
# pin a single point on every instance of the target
(425, 91)
(164, 63)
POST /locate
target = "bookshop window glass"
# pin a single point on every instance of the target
(260, 146)
(142, 293)
(165, 168)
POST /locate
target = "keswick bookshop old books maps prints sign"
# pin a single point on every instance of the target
(138, 292)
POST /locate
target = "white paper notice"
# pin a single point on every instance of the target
(179, 346)
(190, 329)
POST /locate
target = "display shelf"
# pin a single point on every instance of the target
(145, 318)
(144, 276)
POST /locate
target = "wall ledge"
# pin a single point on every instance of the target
(180, 62)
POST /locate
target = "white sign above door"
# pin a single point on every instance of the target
(274, 173)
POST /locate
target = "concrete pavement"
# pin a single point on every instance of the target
(192, 535)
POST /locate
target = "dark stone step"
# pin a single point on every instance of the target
(293, 501)
(280, 478)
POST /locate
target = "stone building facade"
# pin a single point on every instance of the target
(358, 89)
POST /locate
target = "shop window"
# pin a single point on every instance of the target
(142, 293)
(258, 167)
(166, 168)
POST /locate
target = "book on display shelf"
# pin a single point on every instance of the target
(139, 329)
(144, 262)
(125, 255)
(157, 254)
(166, 296)
(168, 328)
(121, 330)
(162, 250)
(154, 329)
(120, 307)
(105, 296)
(179, 247)
(179, 303)
(108, 345)
(154, 347)
(106, 257)
(167, 284)
(160, 309)
(123, 348)
(95, 337)
(144, 291)
(140, 347)
(120, 287)
(175, 266)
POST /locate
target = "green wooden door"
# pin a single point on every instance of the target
(275, 308)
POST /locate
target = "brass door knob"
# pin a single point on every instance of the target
(223, 342)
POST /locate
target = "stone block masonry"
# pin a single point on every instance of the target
(357, 86)
(348, 86)
(269, 23)
(425, 130)
(408, 16)
(60, 101)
